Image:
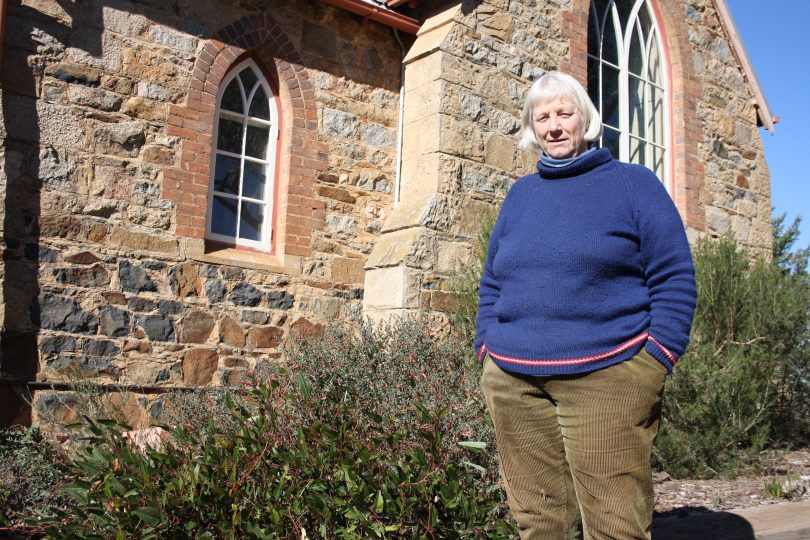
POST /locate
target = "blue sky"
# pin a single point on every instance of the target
(773, 33)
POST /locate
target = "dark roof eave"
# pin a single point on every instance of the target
(378, 14)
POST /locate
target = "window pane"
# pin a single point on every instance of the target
(636, 106)
(624, 7)
(223, 216)
(637, 151)
(657, 164)
(229, 136)
(610, 96)
(226, 175)
(644, 19)
(635, 62)
(250, 224)
(260, 108)
(593, 81)
(654, 63)
(610, 45)
(610, 140)
(232, 98)
(255, 178)
(656, 130)
(593, 30)
(248, 79)
(256, 143)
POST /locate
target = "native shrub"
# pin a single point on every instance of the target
(741, 383)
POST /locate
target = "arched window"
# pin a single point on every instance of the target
(626, 81)
(240, 199)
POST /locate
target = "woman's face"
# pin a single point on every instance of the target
(558, 128)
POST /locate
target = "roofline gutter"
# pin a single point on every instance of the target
(377, 14)
(738, 47)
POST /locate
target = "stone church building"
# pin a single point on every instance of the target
(184, 184)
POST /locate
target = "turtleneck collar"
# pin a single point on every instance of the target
(563, 168)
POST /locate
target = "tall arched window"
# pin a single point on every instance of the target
(626, 81)
(240, 200)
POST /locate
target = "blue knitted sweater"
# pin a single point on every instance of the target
(587, 264)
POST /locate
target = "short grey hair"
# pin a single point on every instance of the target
(553, 85)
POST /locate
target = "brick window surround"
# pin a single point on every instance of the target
(685, 90)
(298, 211)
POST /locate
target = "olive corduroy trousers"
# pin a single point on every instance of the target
(575, 449)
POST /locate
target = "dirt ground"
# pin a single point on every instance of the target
(787, 479)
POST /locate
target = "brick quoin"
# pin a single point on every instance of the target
(259, 37)
(685, 90)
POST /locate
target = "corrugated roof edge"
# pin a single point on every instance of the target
(766, 118)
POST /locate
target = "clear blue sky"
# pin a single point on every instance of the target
(774, 33)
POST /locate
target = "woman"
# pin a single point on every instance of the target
(586, 303)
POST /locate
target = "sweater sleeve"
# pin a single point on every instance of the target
(669, 271)
(489, 289)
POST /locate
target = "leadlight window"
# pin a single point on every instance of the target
(240, 201)
(626, 81)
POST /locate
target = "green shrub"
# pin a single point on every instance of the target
(741, 384)
(30, 471)
(384, 369)
(298, 460)
(464, 286)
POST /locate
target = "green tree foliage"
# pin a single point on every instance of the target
(743, 383)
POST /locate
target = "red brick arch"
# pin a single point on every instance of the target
(685, 90)
(298, 212)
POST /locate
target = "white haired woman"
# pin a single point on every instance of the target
(586, 303)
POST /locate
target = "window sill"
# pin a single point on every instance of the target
(286, 264)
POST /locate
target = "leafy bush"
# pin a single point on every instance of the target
(373, 432)
(384, 369)
(30, 470)
(313, 464)
(464, 286)
(743, 383)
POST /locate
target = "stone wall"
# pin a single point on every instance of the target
(735, 194)
(107, 108)
(104, 276)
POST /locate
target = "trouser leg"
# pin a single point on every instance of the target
(539, 486)
(609, 420)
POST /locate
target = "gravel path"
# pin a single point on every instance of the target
(680, 496)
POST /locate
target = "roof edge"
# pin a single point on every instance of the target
(738, 47)
(377, 13)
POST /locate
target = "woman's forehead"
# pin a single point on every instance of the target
(555, 102)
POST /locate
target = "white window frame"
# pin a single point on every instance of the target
(624, 40)
(266, 242)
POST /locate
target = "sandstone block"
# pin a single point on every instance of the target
(345, 270)
(94, 98)
(125, 139)
(146, 109)
(306, 329)
(184, 279)
(196, 327)
(231, 333)
(74, 73)
(81, 257)
(264, 337)
(142, 242)
(199, 366)
(338, 194)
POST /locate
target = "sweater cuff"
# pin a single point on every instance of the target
(661, 353)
